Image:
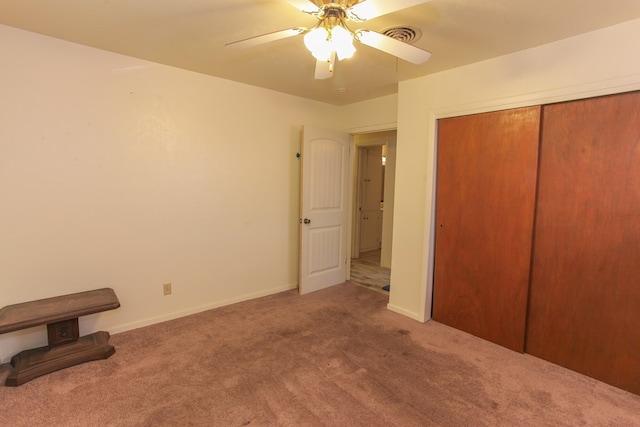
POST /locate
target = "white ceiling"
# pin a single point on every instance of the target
(191, 34)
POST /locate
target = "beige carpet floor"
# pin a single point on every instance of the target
(336, 357)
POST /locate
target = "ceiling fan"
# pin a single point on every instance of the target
(331, 38)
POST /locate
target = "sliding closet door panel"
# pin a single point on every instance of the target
(584, 309)
(486, 184)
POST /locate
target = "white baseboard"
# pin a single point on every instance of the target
(409, 314)
(193, 310)
(6, 358)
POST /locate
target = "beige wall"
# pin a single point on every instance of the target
(115, 172)
(592, 64)
(375, 115)
(123, 173)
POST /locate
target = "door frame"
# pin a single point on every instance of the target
(363, 140)
(354, 134)
(430, 137)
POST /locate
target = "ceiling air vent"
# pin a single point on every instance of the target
(403, 34)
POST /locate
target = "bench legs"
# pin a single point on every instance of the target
(65, 349)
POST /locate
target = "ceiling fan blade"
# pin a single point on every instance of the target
(369, 9)
(393, 47)
(266, 38)
(324, 69)
(307, 6)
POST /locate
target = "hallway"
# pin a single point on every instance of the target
(366, 271)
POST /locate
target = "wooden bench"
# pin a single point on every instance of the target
(66, 348)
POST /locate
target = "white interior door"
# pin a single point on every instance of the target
(324, 196)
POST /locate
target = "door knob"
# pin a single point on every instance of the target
(307, 221)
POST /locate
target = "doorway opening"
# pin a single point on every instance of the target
(373, 200)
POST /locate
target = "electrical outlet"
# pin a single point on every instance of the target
(166, 288)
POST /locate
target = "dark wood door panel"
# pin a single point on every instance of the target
(584, 310)
(486, 183)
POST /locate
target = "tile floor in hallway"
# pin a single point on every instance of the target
(366, 271)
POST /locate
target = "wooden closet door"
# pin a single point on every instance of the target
(486, 184)
(584, 310)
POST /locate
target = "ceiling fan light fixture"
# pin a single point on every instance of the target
(317, 41)
(331, 36)
(342, 42)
